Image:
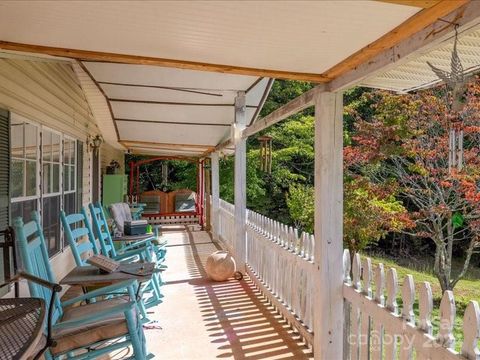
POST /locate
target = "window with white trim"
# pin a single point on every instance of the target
(51, 188)
(44, 169)
(70, 199)
(24, 150)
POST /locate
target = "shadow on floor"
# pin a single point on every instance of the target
(238, 318)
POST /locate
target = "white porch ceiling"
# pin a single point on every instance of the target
(301, 36)
(172, 107)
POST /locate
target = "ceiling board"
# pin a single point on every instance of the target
(248, 34)
(176, 113)
(165, 133)
(167, 95)
(164, 76)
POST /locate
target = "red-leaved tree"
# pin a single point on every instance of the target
(405, 144)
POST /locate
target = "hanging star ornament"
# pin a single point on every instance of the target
(455, 79)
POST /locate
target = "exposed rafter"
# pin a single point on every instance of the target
(155, 145)
(404, 31)
(86, 55)
(466, 16)
(425, 4)
(173, 103)
(298, 104)
(169, 122)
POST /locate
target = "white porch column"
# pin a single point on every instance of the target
(240, 193)
(215, 180)
(328, 307)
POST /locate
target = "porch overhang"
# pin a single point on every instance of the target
(161, 78)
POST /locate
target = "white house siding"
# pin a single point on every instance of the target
(49, 93)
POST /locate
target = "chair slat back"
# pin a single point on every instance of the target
(76, 227)
(100, 227)
(34, 256)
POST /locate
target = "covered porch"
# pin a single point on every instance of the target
(162, 87)
(229, 320)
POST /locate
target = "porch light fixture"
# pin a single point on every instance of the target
(94, 143)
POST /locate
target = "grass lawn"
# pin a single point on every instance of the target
(466, 290)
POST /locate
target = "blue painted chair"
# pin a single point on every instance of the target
(107, 247)
(76, 227)
(99, 327)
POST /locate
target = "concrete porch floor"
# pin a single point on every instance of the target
(201, 319)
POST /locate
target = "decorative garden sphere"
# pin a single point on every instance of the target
(220, 266)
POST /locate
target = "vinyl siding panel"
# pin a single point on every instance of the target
(48, 93)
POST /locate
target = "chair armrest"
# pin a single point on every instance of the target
(102, 291)
(130, 253)
(144, 244)
(95, 316)
(24, 275)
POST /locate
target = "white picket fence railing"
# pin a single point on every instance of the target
(280, 262)
(226, 226)
(377, 327)
(283, 261)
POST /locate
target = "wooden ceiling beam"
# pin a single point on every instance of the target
(149, 149)
(224, 145)
(404, 31)
(152, 145)
(465, 13)
(153, 102)
(424, 4)
(87, 55)
(169, 122)
(294, 106)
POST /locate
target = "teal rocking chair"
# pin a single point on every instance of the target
(77, 227)
(88, 331)
(107, 247)
(102, 233)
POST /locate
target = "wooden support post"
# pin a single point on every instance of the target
(215, 194)
(208, 193)
(328, 254)
(240, 181)
(202, 193)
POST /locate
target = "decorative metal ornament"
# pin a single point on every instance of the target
(456, 82)
(266, 153)
(455, 79)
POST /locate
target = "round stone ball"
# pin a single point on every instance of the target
(220, 266)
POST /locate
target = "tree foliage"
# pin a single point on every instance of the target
(405, 144)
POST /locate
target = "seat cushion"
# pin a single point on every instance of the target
(83, 335)
(185, 202)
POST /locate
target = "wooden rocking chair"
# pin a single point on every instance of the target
(87, 331)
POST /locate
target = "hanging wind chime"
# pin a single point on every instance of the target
(266, 153)
(164, 175)
(456, 82)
